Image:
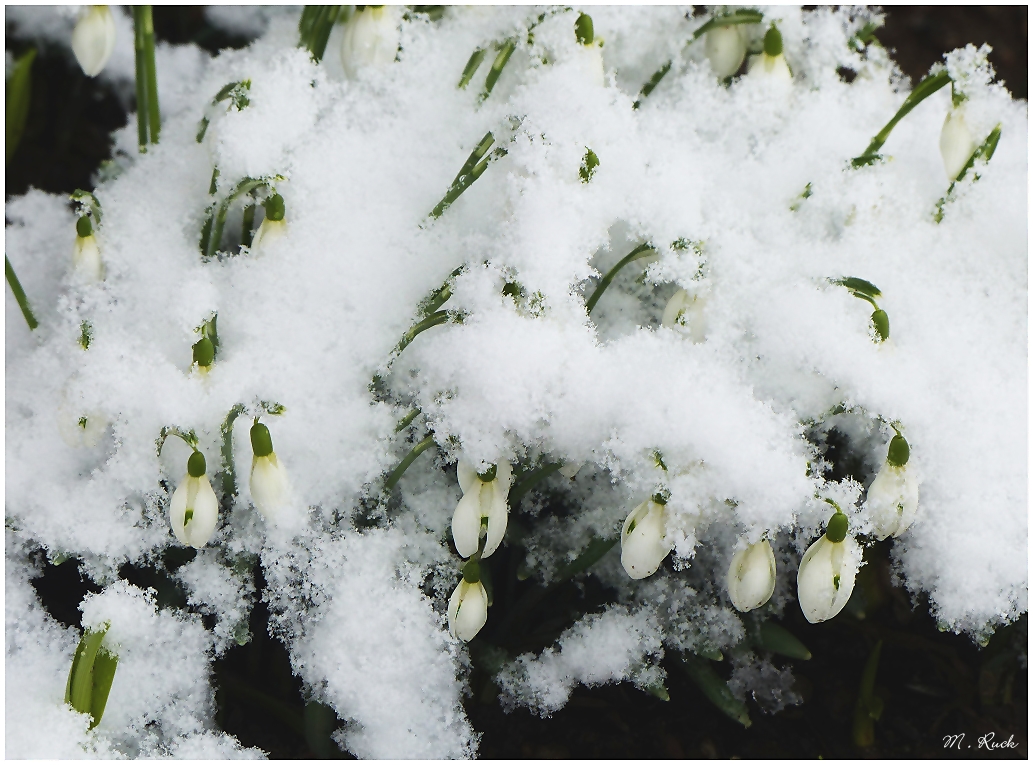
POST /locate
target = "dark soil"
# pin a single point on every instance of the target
(935, 686)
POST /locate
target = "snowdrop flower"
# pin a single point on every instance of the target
(370, 39)
(273, 225)
(194, 509)
(81, 431)
(826, 577)
(484, 503)
(771, 64)
(957, 144)
(683, 310)
(751, 576)
(93, 39)
(468, 606)
(725, 48)
(644, 543)
(893, 496)
(269, 487)
(86, 262)
(590, 52)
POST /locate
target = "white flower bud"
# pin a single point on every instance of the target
(93, 39)
(751, 576)
(370, 39)
(826, 577)
(725, 48)
(644, 542)
(772, 68)
(79, 431)
(194, 511)
(685, 312)
(957, 143)
(467, 610)
(481, 500)
(86, 262)
(892, 501)
(270, 489)
(268, 232)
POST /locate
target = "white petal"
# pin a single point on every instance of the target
(177, 509)
(93, 39)
(269, 231)
(644, 547)
(467, 475)
(725, 48)
(821, 596)
(674, 309)
(589, 60)
(467, 610)
(504, 476)
(370, 39)
(892, 501)
(909, 503)
(956, 143)
(466, 523)
(269, 487)
(772, 68)
(206, 514)
(751, 576)
(86, 261)
(495, 496)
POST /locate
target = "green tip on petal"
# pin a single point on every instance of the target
(472, 571)
(274, 207)
(661, 497)
(196, 466)
(204, 352)
(773, 42)
(836, 530)
(83, 227)
(261, 441)
(584, 30)
(881, 322)
(899, 451)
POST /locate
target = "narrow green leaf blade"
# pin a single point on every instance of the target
(19, 92)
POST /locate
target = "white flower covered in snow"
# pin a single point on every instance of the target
(826, 576)
(468, 606)
(644, 543)
(194, 509)
(725, 49)
(270, 490)
(771, 64)
(484, 504)
(685, 311)
(893, 496)
(370, 39)
(85, 430)
(751, 576)
(273, 224)
(93, 39)
(590, 50)
(86, 261)
(957, 144)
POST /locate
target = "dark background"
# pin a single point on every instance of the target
(933, 684)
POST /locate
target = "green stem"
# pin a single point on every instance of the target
(407, 420)
(229, 478)
(436, 318)
(650, 86)
(471, 68)
(409, 458)
(153, 113)
(141, 78)
(19, 294)
(248, 225)
(467, 174)
(642, 251)
(986, 151)
(497, 66)
(922, 91)
(530, 479)
(215, 221)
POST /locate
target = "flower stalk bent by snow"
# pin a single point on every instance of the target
(734, 19)
(407, 460)
(237, 93)
(468, 606)
(751, 576)
(148, 115)
(215, 220)
(93, 39)
(480, 519)
(90, 676)
(893, 496)
(644, 540)
(270, 489)
(865, 290)
(194, 508)
(19, 294)
(929, 85)
(826, 576)
(370, 39)
(642, 251)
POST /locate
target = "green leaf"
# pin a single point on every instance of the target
(80, 685)
(855, 284)
(777, 639)
(497, 66)
(929, 85)
(471, 68)
(103, 674)
(869, 707)
(743, 16)
(642, 251)
(714, 688)
(19, 91)
(592, 554)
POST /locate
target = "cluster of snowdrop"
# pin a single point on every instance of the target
(701, 392)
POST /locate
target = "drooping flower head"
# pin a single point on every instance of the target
(194, 509)
(484, 506)
(93, 39)
(751, 576)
